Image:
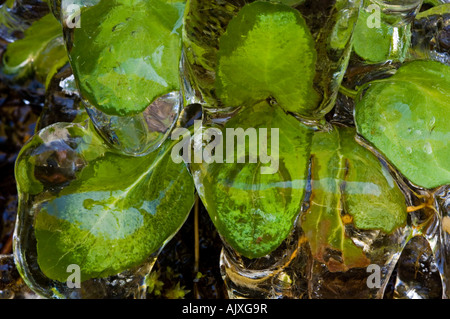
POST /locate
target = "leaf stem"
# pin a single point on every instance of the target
(196, 236)
(7, 248)
(348, 92)
(411, 209)
(197, 246)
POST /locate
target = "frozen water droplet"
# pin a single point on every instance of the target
(432, 122)
(412, 294)
(427, 148)
(68, 85)
(141, 133)
(433, 268)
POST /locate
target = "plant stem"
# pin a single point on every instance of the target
(196, 237)
(7, 249)
(197, 247)
(348, 92)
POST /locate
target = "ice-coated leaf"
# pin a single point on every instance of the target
(436, 10)
(126, 53)
(267, 51)
(65, 10)
(434, 2)
(255, 211)
(348, 185)
(375, 41)
(9, 3)
(51, 59)
(111, 212)
(41, 51)
(406, 117)
(347, 13)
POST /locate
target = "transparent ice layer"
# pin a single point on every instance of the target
(12, 285)
(206, 21)
(62, 257)
(142, 133)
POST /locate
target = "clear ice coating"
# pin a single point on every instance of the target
(331, 31)
(283, 274)
(91, 222)
(375, 258)
(347, 239)
(430, 37)
(55, 162)
(442, 207)
(142, 133)
(383, 31)
(399, 11)
(361, 225)
(17, 16)
(417, 274)
(62, 101)
(413, 260)
(131, 74)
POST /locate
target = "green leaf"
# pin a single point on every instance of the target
(51, 59)
(9, 3)
(437, 10)
(267, 51)
(126, 53)
(347, 14)
(114, 214)
(291, 3)
(406, 117)
(41, 50)
(434, 2)
(255, 212)
(24, 172)
(348, 185)
(10, 22)
(380, 43)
